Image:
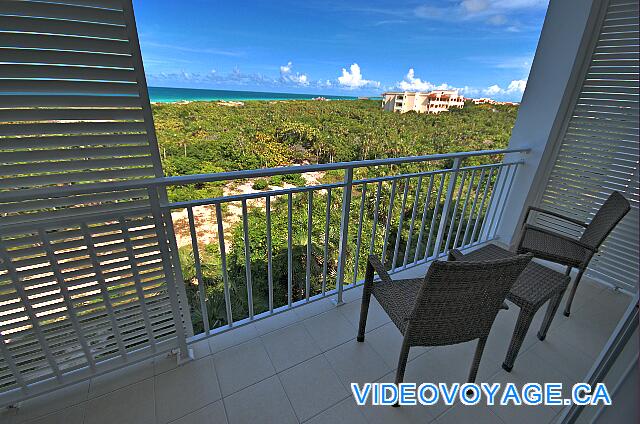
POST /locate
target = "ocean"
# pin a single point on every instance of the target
(166, 94)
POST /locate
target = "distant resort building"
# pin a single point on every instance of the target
(488, 101)
(433, 102)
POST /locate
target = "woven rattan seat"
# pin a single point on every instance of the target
(573, 253)
(456, 302)
(397, 298)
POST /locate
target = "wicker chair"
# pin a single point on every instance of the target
(456, 302)
(573, 253)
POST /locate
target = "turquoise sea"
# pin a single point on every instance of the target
(166, 94)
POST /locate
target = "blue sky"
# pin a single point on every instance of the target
(482, 47)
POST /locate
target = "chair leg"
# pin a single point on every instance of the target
(476, 359)
(519, 333)
(572, 293)
(402, 362)
(552, 308)
(366, 299)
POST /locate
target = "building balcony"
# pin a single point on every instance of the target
(292, 359)
(120, 303)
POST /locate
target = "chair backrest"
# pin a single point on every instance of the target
(459, 300)
(605, 220)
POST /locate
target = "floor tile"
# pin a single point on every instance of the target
(165, 362)
(72, 415)
(455, 360)
(569, 360)
(242, 366)
(431, 368)
(185, 389)
(314, 308)
(289, 346)
(614, 301)
(375, 318)
(201, 349)
(387, 342)
(120, 378)
(265, 402)
(523, 414)
(131, 405)
(346, 412)
(52, 402)
(213, 413)
(8, 415)
(356, 362)
(402, 415)
(534, 369)
(312, 387)
(275, 322)
(330, 329)
(468, 414)
(352, 295)
(233, 337)
(587, 290)
(588, 328)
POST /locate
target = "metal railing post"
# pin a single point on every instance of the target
(344, 232)
(447, 204)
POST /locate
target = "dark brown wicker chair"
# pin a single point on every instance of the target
(456, 302)
(573, 253)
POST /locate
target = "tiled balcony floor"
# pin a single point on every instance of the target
(297, 366)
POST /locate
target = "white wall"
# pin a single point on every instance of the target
(544, 99)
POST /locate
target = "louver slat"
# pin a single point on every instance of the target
(61, 11)
(65, 72)
(600, 147)
(61, 42)
(82, 276)
(66, 58)
(62, 27)
(17, 115)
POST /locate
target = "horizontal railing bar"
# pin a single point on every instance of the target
(249, 196)
(234, 175)
(286, 170)
(295, 190)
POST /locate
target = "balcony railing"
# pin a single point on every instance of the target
(137, 290)
(291, 246)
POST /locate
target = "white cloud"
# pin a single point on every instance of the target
(285, 69)
(475, 6)
(286, 75)
(411, 83)
(517, 86)
(199, 50)
(493, 90)
(353, 79)
(494, 12)
(469, 91)
(514, 87)
(497, 20)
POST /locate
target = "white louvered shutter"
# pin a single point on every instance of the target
(600, 146)
(84, 285)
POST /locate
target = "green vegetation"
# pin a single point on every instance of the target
(203, 137)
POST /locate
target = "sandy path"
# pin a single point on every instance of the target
(205, 216)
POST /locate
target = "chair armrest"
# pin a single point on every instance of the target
(554, 214)
(378, 267)
(455, 255)
(560, 236)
